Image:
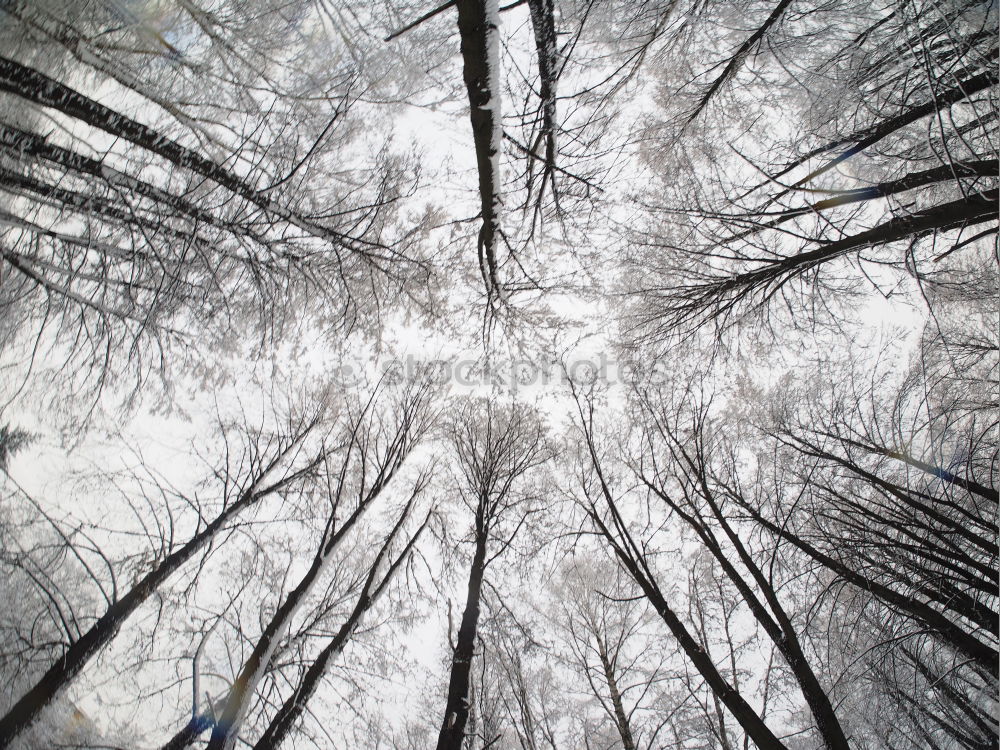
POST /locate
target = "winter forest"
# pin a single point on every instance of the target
(499, 374)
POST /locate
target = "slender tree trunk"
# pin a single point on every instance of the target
(633, 561)
(542, 13)
(226, 732)
(22, 144)
(968, 211)
(780, 629)
(960, 639)
(742, 711)
(988, 493)
(186, 736)
(940, 683)
(871, 135)
(293, 707)
(81, 651)
(739, 56)
(456, 712)
(772, 617)
(621, 718)
(36, 87)
(946, 173)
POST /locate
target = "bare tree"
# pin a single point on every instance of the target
(637, 558)
(899, 494)
(609, 637)
(133, 236)
(859, 189)
(377, 444)
(495, 448)
(272, 465)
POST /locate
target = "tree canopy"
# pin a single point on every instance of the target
(484, 375)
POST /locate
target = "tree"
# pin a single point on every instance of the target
(272, 464)
(541, 91)
(859, 189)
(900, 503)
(696, 502)
(495, 448)
(609, 640)
(205, 216)
(617, 532)
(376, 448)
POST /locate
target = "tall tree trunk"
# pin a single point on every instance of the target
(633, 561)
(621, 718)
(968, 211)
(477, 25)
(988, 493)
(872, 134)
(731, 698)
(456, 712)
(82, 650)
(780, 627)
(226, 732)
(293, 707)
(23, 144)
(960, 639)
(36, 87)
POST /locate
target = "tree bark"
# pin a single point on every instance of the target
(621, 718)
(456, 712)
(480, 54)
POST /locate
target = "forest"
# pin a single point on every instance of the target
(499, 374)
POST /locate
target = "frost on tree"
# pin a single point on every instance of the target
(479, 26)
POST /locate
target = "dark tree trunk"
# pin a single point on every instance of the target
(544, 26)
(186, 736)
(292, 708)
(980, 653)
(945, 173)
(226, 732)
(968, 211)
(739, 56)
(862, 139)
(779, 628)
(81, 651)
(475, 29)
(456, 712)
(38, 88)
(987, 493)
(22, 144)
(742, 711)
